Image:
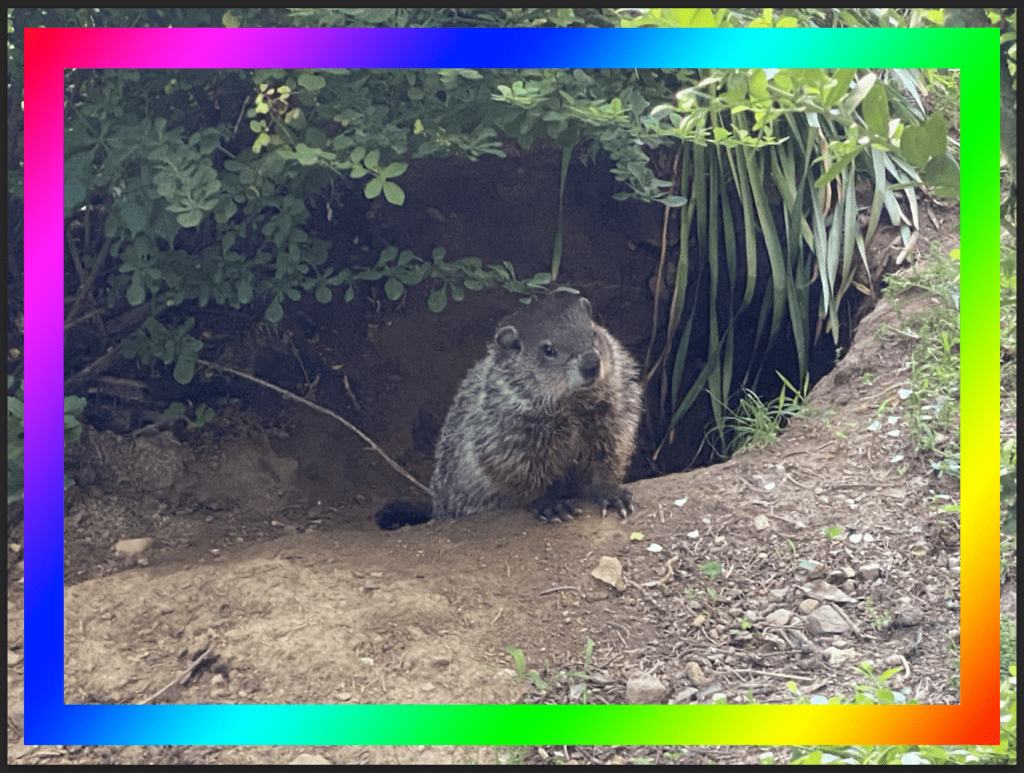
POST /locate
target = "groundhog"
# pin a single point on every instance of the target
(549, 415)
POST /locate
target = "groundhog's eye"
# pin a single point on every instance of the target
(549, 350)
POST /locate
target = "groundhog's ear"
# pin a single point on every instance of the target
(507, 338)
(585, 305)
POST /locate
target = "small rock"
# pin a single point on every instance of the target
(836, 577)
(908, 612)
(132, 547)
(823, 591)
(869, 572)
(838, 657)
(644, 690)
(310, 759)
(609, 570)
(826, 620)
(219, 687)
(808, 605)
(814, 568)
(696, 675)
(778, 618)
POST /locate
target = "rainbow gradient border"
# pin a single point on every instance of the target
(49, 51)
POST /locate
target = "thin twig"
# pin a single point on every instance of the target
(292, 396)
(558, 588)
(182, 677)
(241, 113)
(794, 677)
(86, 278)
(99, 365)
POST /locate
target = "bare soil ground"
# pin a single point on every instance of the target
(313, 604)
(265, 579)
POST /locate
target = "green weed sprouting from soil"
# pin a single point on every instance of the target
(578, 692)
(756, 424)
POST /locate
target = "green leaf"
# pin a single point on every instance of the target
(74, 405)
(204, 414)
(373, 188)
(393, 289)
(862, 88)
(184, 369)
(311, 82)
(394, 170)
(244, 290)
(837, 166)
(759, 85)
(876, 111)
(191, 218)
(306, 155)
(437, 300)
(942, 172)
(174, 410)
(837, 91)
(920, 143)
(274, 312)
(136, 293)
(393, 193)
(226, 211)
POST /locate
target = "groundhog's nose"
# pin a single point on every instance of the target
(590, 366)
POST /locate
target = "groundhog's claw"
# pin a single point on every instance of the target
(552, 510)
(620, 501)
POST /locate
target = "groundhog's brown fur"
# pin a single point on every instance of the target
(550, 414)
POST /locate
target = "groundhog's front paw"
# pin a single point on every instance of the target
(552, 510)
(619, 500)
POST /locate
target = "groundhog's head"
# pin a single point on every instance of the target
(550, 344)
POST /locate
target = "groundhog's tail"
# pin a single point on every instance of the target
(396, 514)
